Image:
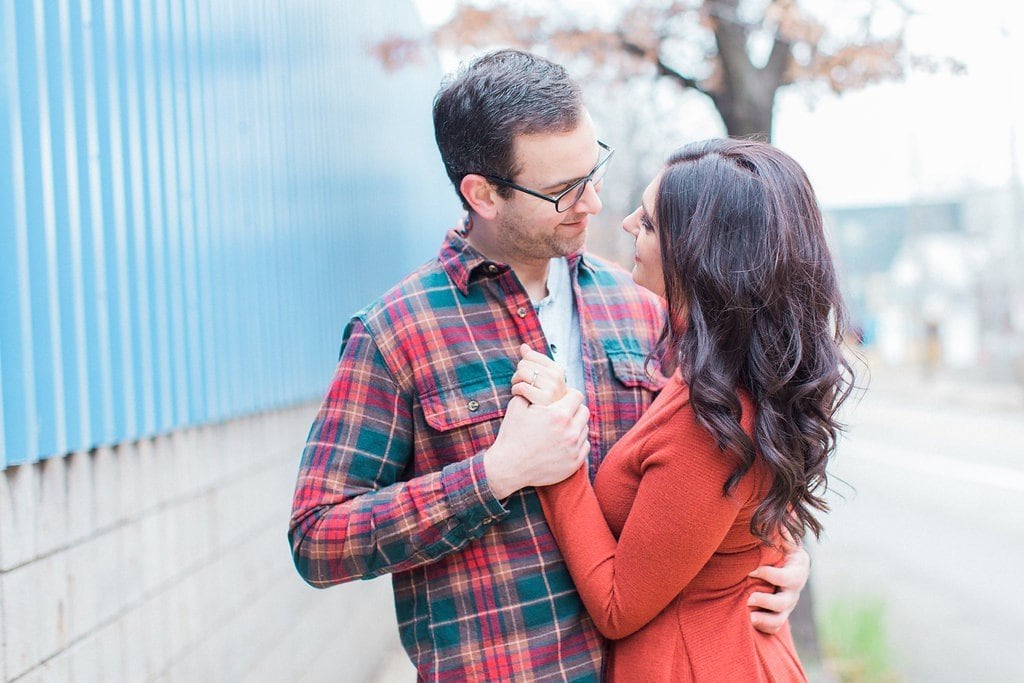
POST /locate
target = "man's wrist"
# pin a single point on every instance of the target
(469, 495)
(501, 483)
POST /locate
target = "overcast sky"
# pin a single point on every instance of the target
(930, 137)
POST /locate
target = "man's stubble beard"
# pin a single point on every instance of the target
(517, 239)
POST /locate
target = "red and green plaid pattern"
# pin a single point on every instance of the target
(392, 476)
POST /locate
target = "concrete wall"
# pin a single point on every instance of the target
(167, 559)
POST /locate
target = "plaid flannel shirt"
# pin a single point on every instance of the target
(392, 477)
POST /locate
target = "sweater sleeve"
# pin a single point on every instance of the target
(678, 519)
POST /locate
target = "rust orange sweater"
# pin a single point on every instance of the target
(660, 556)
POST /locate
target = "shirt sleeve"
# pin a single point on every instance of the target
(678, 519)
(353, 514)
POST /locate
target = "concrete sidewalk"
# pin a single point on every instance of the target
(395, 668)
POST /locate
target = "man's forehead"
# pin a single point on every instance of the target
(556, 157)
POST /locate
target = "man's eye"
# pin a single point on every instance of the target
(566, 188)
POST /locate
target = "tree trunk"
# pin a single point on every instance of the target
(745, 116)
(745, 95)
(805, 630)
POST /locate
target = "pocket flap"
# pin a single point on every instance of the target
(450, 407)
(631, 368)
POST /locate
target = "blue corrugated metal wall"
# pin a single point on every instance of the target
(194, 197)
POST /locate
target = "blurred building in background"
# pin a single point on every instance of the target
(937, 285)
(194, 198)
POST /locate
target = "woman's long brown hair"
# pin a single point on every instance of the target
(755, 301)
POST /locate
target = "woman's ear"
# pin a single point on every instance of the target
(480, 195)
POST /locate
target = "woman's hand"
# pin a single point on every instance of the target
(538, 445)
(538, 379)
(544, 436)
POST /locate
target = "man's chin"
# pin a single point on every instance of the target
(569, 247)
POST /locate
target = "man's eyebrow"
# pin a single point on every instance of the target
(566, 183)
(554, 187)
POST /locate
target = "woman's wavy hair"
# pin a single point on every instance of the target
(754, 302)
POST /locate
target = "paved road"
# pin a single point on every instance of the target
(934, 526)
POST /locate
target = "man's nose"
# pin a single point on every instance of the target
(590, 202)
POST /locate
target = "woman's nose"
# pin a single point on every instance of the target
(631, 223)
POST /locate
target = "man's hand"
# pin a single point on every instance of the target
(773, 609)
(538, 445)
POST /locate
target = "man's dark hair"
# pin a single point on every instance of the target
(481, 108)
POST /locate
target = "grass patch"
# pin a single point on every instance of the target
(855, 643)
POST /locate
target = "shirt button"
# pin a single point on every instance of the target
(474, 406)
(521, 311)
(492, 268)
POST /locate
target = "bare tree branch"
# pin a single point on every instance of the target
(650, 35)
(664, 69)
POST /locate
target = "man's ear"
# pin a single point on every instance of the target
(480, 195)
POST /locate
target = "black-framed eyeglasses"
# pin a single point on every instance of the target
(567, 198)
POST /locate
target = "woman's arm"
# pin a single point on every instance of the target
(678, 519)
(540, 380)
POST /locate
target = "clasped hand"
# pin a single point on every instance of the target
(543, 437)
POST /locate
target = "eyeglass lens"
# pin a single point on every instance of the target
(570, 198)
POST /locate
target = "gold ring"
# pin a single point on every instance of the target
(533, 380)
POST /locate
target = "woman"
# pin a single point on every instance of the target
(731, 456)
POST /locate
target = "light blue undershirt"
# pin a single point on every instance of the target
(561, 323)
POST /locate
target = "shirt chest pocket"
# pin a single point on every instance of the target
(630, 367)
(634, 386)
(463, 419)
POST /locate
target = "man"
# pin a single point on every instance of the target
(407, 466)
